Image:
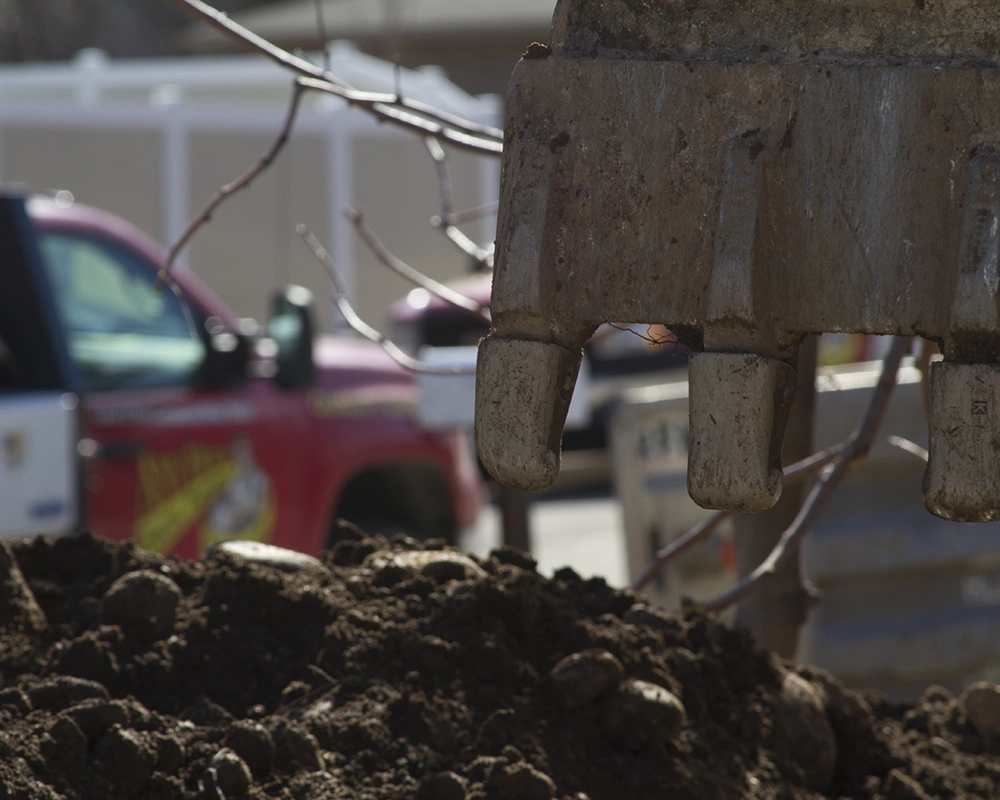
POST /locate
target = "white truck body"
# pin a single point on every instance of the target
(38, 464)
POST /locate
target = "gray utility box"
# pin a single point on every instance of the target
(907, 599)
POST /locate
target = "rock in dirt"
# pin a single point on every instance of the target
(444, 786)
(126, 758)
(143, 604)
(981, 702)
(583, 677)
(232, 775)
(62, 691)
(440, 566)
(520, 782)
(638, 714)
(800, 716)
(280, 557)
(252, 742)
(900, 786)
(96, 715)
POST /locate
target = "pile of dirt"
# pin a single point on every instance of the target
(405, 670)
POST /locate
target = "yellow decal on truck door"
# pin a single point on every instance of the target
(221, 484)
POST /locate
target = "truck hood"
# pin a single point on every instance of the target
(346, 361)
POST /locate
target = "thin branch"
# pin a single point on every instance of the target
(411, 114)
(321, 29)
(910, 447)
(384, 255)
(386, 108)
(470, 214)
(446, 222)
(651, 338)
(397, 78)
(792, 474)
(678, 547)
(229, 189)
(440, 158)
(857, 447)
(358, 324)
(923, 363)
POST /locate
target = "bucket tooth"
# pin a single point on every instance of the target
(738, 404)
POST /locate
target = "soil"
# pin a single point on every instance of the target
(395, 669)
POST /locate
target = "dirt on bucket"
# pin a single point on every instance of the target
(398, 669)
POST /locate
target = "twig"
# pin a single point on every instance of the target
(411, 114)
(397, 77)
(242, 182)
(383, 254)
(470, 214)
(321, 29)
(446, 222)
(401, 113)
(440, 158)
(855, 449)
(792, 474)
(649, 337)
(912, 448)
(358, 324)
(923, 363)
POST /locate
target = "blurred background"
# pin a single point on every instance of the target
(138, 108)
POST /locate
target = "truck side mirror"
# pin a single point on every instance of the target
(292, 329)
(227, 356)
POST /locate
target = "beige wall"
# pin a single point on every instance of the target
(249, 248)
(397, 189)
(118, 171)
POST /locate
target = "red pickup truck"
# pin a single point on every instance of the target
(198, 426)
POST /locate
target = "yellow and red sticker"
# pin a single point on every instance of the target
(219, 486)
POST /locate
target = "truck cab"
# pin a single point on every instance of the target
(200, 427)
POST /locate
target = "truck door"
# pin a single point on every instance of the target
(39, 466)
(180, 459)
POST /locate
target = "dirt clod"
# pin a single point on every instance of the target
(582, 677)
(520, 782)
(638, 714)
(802, 720)
(444, 786)
(127, 760)
(143, 604)
(252, 742)
(981, 702)
(232, 775)
(383, 680)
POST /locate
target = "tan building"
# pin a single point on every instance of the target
(476, 42)
(152, 140)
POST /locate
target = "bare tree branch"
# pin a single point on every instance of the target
(387, 108)
(855, 450)
(229, 189)
(912, 448)
(446, 222)
(384, 255)
(923, 363)
(414, 115)
(440, 158)
(469, 214)
(321, 28)
(358, 324)
(792, 474)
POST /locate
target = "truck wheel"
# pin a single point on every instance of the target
(410, 498)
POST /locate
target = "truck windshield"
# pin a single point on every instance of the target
(121, 332)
